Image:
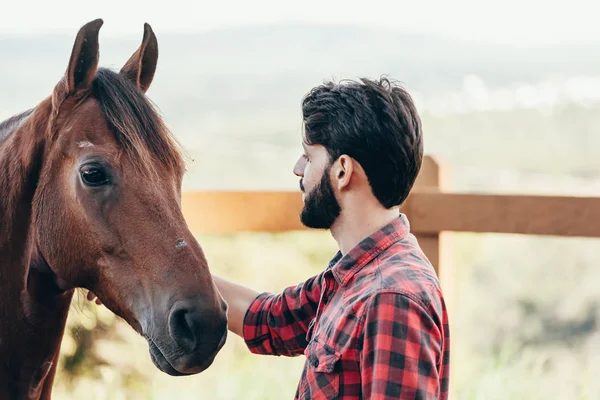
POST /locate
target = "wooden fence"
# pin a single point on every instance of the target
(432, 209)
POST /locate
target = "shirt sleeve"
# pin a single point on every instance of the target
(402, 350)
(276, 324)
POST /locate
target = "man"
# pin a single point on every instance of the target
(373, 324)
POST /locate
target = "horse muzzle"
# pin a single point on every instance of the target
(190, 339)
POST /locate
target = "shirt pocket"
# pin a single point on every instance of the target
(321, 377)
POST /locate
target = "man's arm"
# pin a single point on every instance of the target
(402, 350)
(274, 324)
(239, 298)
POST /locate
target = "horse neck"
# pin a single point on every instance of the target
(32, 314)
(21, 152)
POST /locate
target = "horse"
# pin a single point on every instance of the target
(90, 198)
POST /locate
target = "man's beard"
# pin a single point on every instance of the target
(321, 208)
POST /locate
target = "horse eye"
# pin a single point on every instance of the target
(94, 176)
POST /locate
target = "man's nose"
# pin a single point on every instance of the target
(299, 168)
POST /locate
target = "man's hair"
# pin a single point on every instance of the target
(376, 123)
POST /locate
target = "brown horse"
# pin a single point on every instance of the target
(90, 197)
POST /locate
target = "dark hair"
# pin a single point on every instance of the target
(135, 122)
(374, 122)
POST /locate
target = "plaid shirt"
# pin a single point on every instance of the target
(373, 325)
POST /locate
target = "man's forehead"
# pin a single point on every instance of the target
(315, 150)
(310, 147)
(304, 140)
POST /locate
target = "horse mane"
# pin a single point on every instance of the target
(13, 123)
(135, 121)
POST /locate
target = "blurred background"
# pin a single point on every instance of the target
(509, 95)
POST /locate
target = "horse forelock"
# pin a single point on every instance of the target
(136, 124)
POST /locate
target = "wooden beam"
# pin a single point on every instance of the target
(430, 178)
(435, 176)
(230, 212)
(431, 212)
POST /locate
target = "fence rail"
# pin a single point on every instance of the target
(432, 212)
(429, 211)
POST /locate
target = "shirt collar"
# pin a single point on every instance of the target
(345, 267)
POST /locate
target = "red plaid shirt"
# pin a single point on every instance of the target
(373, 325)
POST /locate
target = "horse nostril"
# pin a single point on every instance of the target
(184, 328)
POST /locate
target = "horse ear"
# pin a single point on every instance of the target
(141, 66)
(84, 57)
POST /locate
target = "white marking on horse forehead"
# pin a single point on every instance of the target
(181, 243)
(84, 143)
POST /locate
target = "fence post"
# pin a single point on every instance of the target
(435, 175)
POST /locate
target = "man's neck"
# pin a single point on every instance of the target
(352, 227)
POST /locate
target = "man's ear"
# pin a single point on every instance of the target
(341, 171)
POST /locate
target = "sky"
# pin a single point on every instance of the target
(516, 22)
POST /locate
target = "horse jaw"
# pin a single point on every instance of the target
(38, 379)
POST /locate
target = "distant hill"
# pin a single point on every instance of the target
(230, 94)
(291, 59)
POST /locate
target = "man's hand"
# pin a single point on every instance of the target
(238, 299)
(91, 296)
